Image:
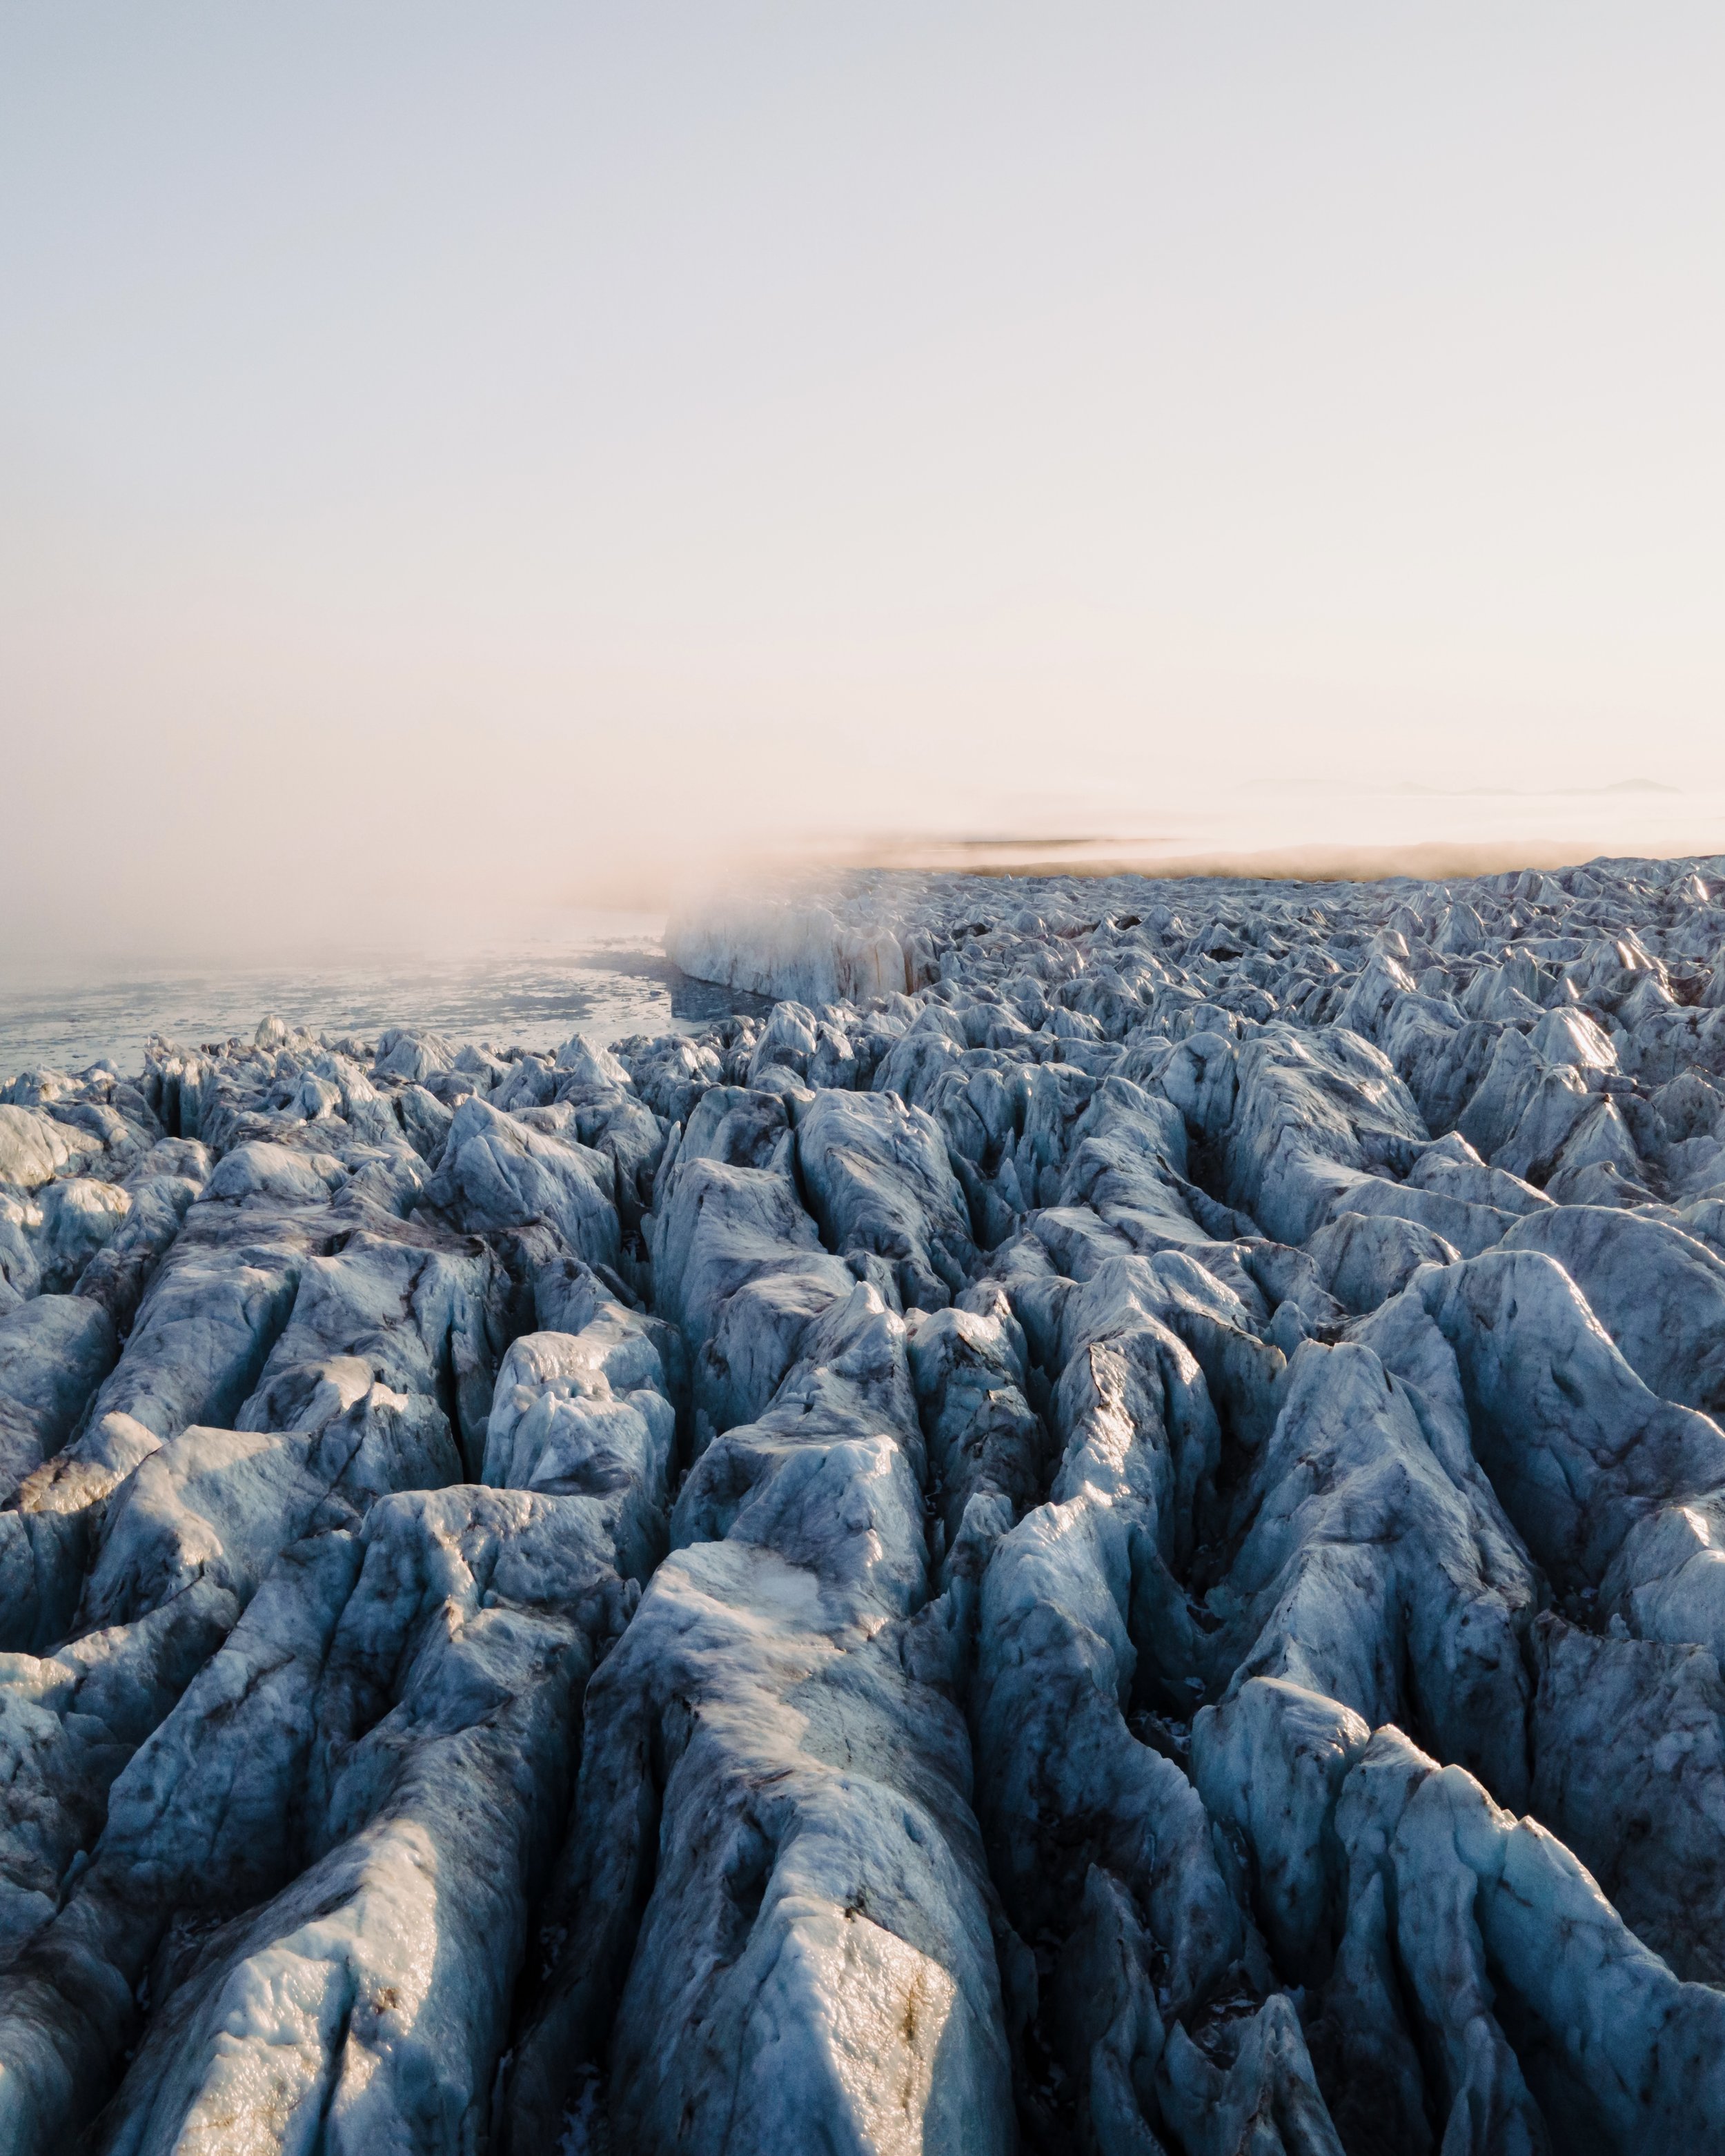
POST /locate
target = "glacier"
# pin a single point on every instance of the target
(1103, 1532)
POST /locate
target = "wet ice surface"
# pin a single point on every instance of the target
(606, 974)
(1103, 1530)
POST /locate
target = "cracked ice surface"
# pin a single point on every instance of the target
(1105, 1530)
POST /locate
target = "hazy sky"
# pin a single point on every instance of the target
(451, 450)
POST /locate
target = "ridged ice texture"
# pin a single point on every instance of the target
(1107, 1533)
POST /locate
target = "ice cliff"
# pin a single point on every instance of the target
(1105, 1533)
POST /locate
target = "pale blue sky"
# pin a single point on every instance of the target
(491, 441)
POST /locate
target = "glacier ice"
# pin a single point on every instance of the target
(1106, 1532)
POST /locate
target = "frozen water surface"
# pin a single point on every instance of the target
(608, 975)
